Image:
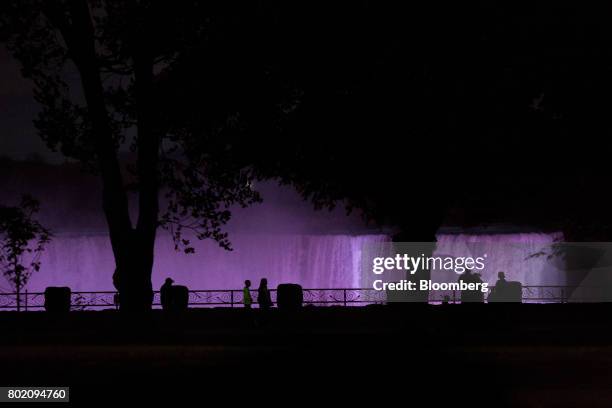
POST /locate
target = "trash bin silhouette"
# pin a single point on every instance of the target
(178, 298)
(514, 292)
(57, 299)
(510, 292)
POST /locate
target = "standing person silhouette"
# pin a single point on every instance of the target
(263, 295)
(246, 294)
(500, 290)
(501, 280)
(164, 291)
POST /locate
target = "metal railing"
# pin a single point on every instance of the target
(530, 294)
(198, 298)
(234, 297)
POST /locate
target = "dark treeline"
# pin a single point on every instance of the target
(418, 114)
(480, 113)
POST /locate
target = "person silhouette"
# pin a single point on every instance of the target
(501, 279)
(263, 295)
(471, 296)
(477, 294)
(164, 293)
(499, 292)
(246, 294)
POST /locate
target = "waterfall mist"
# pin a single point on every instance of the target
(282, 239)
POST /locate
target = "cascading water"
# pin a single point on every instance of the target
(85, 262)
(518, 255)
(282, 239)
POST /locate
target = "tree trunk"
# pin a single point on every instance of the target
(134, 270)
(132, 247)
(18, 283)
(138, 294)
(421, 232)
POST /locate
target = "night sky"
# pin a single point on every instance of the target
(530, 82)
(17, 109)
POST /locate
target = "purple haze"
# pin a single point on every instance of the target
(283, 239)
(85, 262)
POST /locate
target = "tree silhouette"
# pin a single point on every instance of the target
(209, 97)
(23, 240)
(400, 113)
(120, 51)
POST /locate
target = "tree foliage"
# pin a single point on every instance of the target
(194, 165)
(23, 239)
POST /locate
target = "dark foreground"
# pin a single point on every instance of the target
(483, 355)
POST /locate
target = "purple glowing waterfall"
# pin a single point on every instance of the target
(85, 262)
(514, 254)
(282, 239)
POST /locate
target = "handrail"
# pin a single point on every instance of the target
(82, 300)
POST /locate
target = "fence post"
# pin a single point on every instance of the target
(563, 295)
